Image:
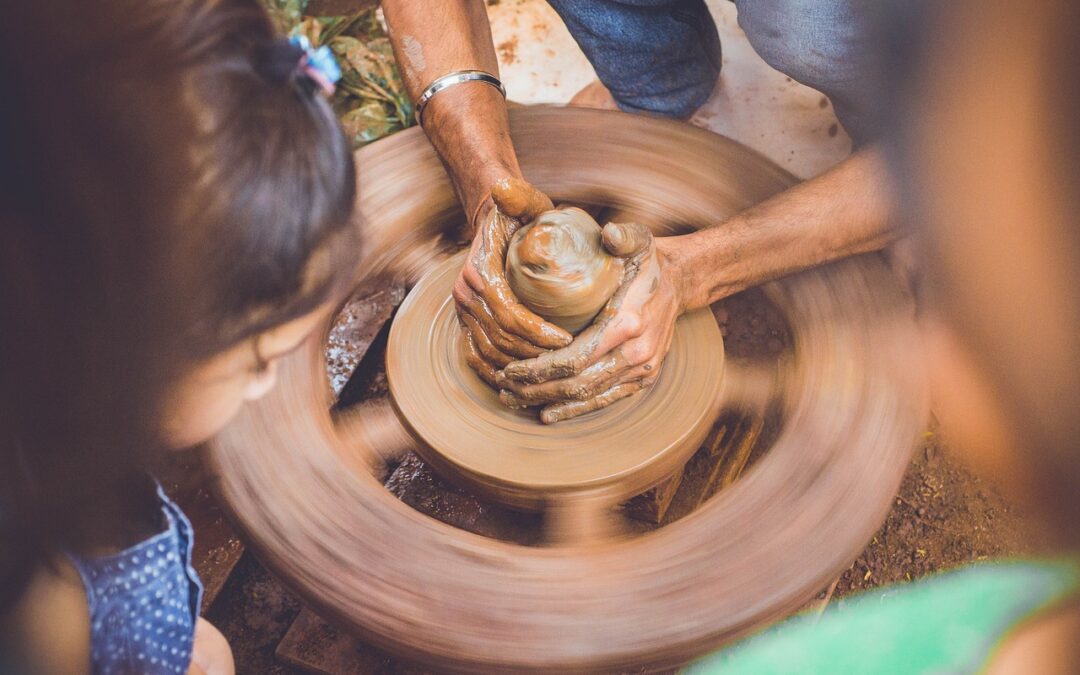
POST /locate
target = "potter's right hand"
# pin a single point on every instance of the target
(498, 328)
(622, 351)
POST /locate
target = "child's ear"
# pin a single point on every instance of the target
(261, 383)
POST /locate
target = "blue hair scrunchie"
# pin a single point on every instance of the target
(318, 64)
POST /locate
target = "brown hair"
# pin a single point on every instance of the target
(169, 185)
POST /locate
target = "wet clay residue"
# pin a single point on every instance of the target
(508, 50)
(558, 268)
(415, 63)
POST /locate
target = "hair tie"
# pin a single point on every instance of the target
(318, 65)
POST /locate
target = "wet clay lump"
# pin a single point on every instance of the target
(558, 268)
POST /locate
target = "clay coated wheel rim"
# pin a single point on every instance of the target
(853, 404)
(509, 455)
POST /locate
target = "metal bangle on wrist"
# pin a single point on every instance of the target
(451, 79)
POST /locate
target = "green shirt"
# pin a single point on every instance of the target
(948, 623)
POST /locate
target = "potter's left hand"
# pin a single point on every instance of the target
(622, 351)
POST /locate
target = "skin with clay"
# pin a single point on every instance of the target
(842, 212)
(572, 272)
(559, 269)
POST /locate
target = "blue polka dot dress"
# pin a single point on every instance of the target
(144, 601)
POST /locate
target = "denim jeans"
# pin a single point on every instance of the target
(663, 56)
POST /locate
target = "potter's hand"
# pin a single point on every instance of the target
(621, 352)
(498, 328)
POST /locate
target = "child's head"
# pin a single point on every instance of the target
(174, 208)
(263, 237)
(992, 148)
(255, 203)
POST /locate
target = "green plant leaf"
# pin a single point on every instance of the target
(371, 100)
(369, 122)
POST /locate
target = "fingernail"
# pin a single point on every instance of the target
(513, 371)
(508, 399)
(560, 337)
(614, 235)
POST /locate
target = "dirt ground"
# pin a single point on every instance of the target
(943, 516)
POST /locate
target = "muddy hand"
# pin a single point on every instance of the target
(621, 352)
(498, 328)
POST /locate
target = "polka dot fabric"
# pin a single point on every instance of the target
(144, 602)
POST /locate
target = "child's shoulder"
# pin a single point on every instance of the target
(50, 625)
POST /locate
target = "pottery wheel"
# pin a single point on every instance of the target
(301, 481)
(510, 455)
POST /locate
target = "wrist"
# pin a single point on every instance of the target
(674, 268)
(467, 124)
(475, 190)
(480, 213)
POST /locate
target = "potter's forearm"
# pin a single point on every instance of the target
(467, 123)
(842, 212)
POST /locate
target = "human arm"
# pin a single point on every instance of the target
(469, 128)
(467, 123)
(842, 212)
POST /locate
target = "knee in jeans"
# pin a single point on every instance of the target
(680, 104)
(812, 41)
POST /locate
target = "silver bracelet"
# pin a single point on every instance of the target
(449, 80)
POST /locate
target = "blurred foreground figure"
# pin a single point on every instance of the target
(987, 145)
(175, 196)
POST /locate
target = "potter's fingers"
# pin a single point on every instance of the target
(646, 353)
(508, 399)
(626, 239)
(558, 412)
(637, 358)
(606, 333)
(475, 361)
(482, 343)
(518, 199)
(513, 317)
(469, 302)
(646, 372)
(591, 382)
(473, 305)
(560, 363)
(485, 273)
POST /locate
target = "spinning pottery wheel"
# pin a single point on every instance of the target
(508, 455)
(300, 481)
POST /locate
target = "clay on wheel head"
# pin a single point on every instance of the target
(558, 268)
